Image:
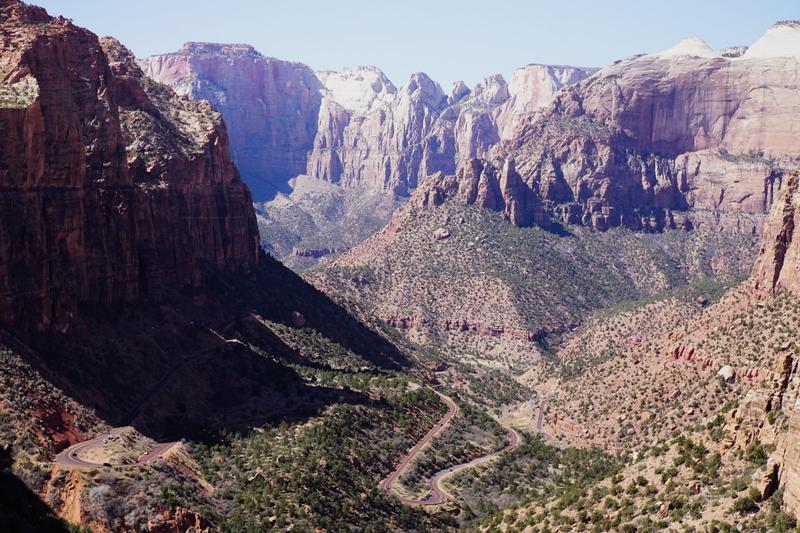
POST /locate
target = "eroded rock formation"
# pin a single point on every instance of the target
(415, 322)
(112, 187)
(270, 106)
(352, 127)
(778, 264)
(483, 184)
(686, 128)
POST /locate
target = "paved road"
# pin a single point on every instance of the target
(540, 416)
(70, 458)
(452, 409)
(438, 495)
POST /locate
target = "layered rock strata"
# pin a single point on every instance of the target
(113, 188)
(352, 127)
(688, 128)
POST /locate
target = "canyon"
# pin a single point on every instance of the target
(673, 139)
(352, 127)
(569, 300)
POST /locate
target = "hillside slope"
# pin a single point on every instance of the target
(463, 280)
(729, 458)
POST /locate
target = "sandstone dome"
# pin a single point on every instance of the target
(691, 46)
(781, 40)
(358, 89)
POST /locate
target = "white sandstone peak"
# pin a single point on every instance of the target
(357, 89)
(781, 40)
(492, 90)
(420, 87)
(457, 92)
(691, 46)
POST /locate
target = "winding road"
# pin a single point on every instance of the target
(540, 415)
(70, 458)
(387, 484)
(439, 495)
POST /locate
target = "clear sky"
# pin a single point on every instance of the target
(447, 39)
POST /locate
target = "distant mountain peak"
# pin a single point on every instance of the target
(693, 46)
(357, 89)
(781, 40)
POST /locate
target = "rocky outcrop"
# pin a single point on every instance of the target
(486, 185)
(415, 322)
(351, 127)
(533, 88)
(113, 188)
(178, 520)
(270, 106)
(778, 264)
(688, 128)
(316, 252)
(768, 415)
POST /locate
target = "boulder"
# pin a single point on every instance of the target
(441, 234)
(727, 373)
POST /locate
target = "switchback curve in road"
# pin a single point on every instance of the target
(452, 408)
(439, 495)
(70, 458)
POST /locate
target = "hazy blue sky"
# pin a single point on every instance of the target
(448, 40)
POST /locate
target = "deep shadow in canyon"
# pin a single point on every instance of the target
(197, 362)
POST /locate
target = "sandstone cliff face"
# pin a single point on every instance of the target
(778, 264)
(483, 184)
(383, 148)
(533, 88)
(270, 106)
(351, 127)
(113, 187)
(390, 139)
(686, 128)
(770, 413)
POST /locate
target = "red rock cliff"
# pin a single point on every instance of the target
(111, 187)
(351, 127)
(688, 128)
(271, 106)
(778, 264)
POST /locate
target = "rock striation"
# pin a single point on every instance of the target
(687, 128)
(778, 264)
(352, 127)
(113, 187)
(415, 322)
(271, 107)
(381, 149)
(645, 142)
(489, 186)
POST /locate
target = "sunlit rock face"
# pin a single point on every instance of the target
(271, 107)
(652, 135)
(352, 127)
